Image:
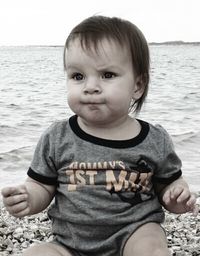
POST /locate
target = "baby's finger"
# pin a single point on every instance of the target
(17, 208)
(15, 199)
(192, 200)
(22, 213)
(176, 192)
(167, 197)
(184, 196)
(192, 204)
(195, 210)
(9, 191)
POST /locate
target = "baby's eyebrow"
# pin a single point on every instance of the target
(107, 67)
(71, 66)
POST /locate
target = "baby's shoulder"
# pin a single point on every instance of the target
(58, 127)
(158, 132)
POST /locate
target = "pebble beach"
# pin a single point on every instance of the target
(183, 232)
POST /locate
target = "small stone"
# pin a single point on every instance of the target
(34, 228)
(8, 242)
(25, 244)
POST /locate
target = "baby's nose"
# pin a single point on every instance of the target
(92, 86)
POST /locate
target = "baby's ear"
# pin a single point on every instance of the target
(139, 87)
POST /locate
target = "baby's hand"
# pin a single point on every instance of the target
(16, 200)
(178, 199)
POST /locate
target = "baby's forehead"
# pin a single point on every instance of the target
(104, 53)
(98, 45)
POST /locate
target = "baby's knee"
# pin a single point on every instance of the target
(161, 252)
(152, 247)
(149, 239)
(46, 249)
(33, 250)
(37, 250)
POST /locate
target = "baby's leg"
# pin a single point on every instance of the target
(147, 240)
(47, 249)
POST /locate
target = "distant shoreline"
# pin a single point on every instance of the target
(150, 43)
(174, 43)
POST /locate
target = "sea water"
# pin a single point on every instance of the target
(33, 94)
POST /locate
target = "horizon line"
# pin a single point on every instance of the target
(173, 42)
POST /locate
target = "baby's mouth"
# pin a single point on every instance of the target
(93, 102)
(93, 105)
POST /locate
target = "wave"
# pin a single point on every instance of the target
(16, 152)
(186, 136)
(188, 141)
(4, 126)
(8, 129)
(14, 163)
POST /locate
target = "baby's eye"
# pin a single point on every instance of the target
(109, 75)
(77, 76)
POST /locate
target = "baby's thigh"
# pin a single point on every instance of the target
(47, 249)
(147, 240)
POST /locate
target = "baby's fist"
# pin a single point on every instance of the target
(15, 200)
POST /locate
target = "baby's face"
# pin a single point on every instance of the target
(101, 84)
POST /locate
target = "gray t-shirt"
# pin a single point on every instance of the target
(105, 188)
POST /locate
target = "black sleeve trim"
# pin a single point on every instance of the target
(169, 180)
(40, 178)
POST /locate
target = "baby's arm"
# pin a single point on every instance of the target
(29, 198)
(177, 198)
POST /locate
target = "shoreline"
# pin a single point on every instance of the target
(182, 231)
(171, 42)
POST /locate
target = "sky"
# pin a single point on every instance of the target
(48, 22)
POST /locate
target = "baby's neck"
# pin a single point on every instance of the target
(125, 130)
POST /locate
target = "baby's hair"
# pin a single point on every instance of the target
(93, 29)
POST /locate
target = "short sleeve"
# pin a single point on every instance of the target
(43, 165)
(169, 166)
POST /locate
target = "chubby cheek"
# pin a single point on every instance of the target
(120, 101)
(73, 101)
